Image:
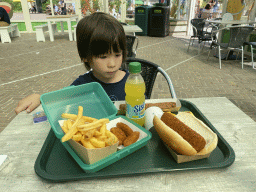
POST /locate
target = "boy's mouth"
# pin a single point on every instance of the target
(111, 72)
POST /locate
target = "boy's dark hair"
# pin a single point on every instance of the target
(97, 34)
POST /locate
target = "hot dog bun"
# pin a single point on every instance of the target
(185, 134)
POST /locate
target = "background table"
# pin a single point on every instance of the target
(131, 29)
(61, 19)
(231, 22)
(22, 141)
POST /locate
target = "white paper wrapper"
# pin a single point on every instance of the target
(90, 156)
(149, 116)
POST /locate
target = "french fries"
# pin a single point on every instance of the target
(91, 132)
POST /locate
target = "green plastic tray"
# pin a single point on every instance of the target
(54, 163)
(91, 96)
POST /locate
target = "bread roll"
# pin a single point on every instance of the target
(185, 134)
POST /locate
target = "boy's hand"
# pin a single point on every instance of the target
(28, 103)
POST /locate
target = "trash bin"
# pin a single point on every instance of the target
(159, 21)
(141, 19)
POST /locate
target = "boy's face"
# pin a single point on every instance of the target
(106, 67)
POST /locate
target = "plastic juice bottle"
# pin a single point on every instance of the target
(135, 94)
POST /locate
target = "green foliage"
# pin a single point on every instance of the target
(48, 2)
(204, 4)
(84, 5)
(118, 5)
(96, 4)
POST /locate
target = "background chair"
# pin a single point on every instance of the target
(149, 73)
(238, 35)
(131, 40)
(199, 33)
(252, 45)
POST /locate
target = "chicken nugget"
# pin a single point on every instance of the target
(126, 129)
(119, 134)
(132, 138)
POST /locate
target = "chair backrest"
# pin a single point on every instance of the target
(238, 35)
(130, 39)
(149, 72)
(198, 26)
(215, 27)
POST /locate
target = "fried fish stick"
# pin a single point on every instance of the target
(132, 138)
(119, 134)
(126, 129)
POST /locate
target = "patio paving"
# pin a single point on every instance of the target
(27, 67)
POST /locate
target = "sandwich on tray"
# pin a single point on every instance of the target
(185, 134)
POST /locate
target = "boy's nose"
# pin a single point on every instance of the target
(111, 62)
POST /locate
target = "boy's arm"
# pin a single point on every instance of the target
(28, 103)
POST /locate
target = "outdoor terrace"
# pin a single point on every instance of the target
(27, 67)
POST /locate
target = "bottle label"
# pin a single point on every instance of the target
(136, 112)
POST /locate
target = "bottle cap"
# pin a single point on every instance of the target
(134, 67)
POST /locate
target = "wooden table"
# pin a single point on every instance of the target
(22, 140)
(61, 19)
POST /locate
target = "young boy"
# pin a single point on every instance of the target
(101, 45)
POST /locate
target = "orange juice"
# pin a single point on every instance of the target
(135, 96)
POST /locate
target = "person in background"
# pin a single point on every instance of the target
(4, 17)
(70, 9)
(207, 7)
(206, 12)
(211, 3)
(101, 44)
(34, 9)
(63, 8)
(60, 2)
(215, 6)
(74, 8)
(56, 9)
(113, 11)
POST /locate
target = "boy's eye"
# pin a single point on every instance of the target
(102, 56)
(118, 54)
